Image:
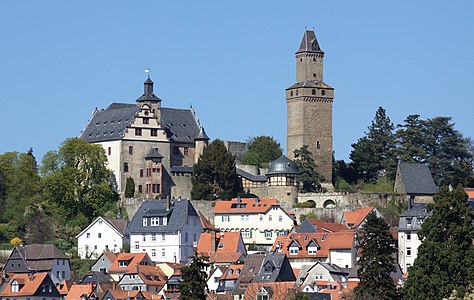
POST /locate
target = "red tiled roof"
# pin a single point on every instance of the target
(226, 246)
(150, 275)
(327, 226)
(326, 242)
(469, 192)
(118, 294)
(133, 258)
(354, 218)
(77, 290)
(206, 225)
(31, 284)
(64, 287)
(232, 272)
(280, 290)
(250, 205)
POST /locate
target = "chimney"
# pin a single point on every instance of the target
(213, 241)
(238, 199)
(168, 202)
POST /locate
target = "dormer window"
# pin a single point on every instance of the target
(294, 250)
(144, 221)
(220, 246)
(268, 268)
(165, 220)
(15, 287)
(154, 221)
(123, 263)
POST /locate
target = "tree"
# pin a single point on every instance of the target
(374, 153)
(194, 279)
(261, 151)
(445, 260)
(410, 139)
(215, 174)
(129, 188)
(76, 181)
(309, 178)
(300, 296)
(38, 229)
(376, 261)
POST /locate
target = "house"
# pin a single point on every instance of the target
(314, 225)
(271, 290)
(213, 279)
(95, 278)
(415, 182)
(128, 262)
(144, 278)
(167, 230)
(408, 240)
(302, 249)
(146, 142)
(322, 276)
(104, 262)
(356, 219)
(37, 258)
(228, 279)
(81, 292)
(259, 221)
(222, 248)
(250, 270)
(114, 294)
(30, 287)
(206, 225)
(102, 235)
(275, 268)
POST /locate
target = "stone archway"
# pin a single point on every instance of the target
(329, 203)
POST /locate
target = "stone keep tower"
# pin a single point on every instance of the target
(309, 107)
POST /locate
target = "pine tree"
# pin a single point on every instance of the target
(411, 139)
(193, 284)
(215, 174)
(445, 260)
(375, 153)
(376, 262)
(309, 178)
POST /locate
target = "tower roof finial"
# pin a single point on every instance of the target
(147, 70)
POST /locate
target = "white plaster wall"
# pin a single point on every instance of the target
(211, 284)
(114, 159)
(255, 224)
(109, 237)
(342, 257)
(404, 260)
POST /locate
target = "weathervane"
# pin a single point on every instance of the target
(147, 70)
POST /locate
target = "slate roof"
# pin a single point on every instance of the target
(250, 269)
(315, 225)
(310, 84)
(202, 136)
(97, 277)
(283, 165)
(182, 169)
(281, 269)
(178, 212)
(110, 124)
(309, 43)
(153, 154)
(417, 212)
(417, 179)
(251, 177)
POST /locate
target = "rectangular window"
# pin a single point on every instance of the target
(130, 150)
(163, 236)
(99, 235)
(408, 251)
(146, 121)
(293, 250)
(165, 220)
(268, 234)
(245, 234)
(140, 188)
(242, 218)
(261, 218)
(148, 172)
(144, 238)
(270, 218)
(225, 218)
(408, 221)
(63, 275)
(280, 218)
(154, 221)
(88, 235)
(163, 252)
(138, 131)
(153, 252)
(185, 237)
(186, 151)
(154, 132)
(145, 221)
(408, 236)
(312, 250)
(153, 237)
(141, 173)
(125, 167)
(109, 151)
(156, 188)
(194, 237)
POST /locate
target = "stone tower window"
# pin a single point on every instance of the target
(323, 92)
(314, 75)
(291, 93)
(313, 92)
(130, 150)
(146, 121)
(296, 92)
(314, 58)
(125, 167)
(318, 145)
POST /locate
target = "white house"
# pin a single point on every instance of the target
(408, 241)
(102, 235)
(167, 230)
(260, 221)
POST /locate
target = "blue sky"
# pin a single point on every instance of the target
(231, 60)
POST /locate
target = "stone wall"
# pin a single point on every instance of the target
(182, 185)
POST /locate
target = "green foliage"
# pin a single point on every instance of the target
(130, 188)
(310, 215)
(7, 232)
(374, 153)
(76, 181)
(80, 268)
(392, 209)
(382, 185)
(445, 260)
(300, 296)
(309, 178)
(261, 151)
(39, 229)
(376, 261)
(215, 174)
(308, 204)
(194, 279)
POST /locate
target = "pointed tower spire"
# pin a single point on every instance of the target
(148, 95)
(202, 136)
(309, 43)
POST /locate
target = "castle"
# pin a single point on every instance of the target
(157, 146)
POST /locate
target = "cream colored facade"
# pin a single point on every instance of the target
(256, 228)
(408, 243)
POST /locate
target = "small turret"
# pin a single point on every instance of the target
(200, 142)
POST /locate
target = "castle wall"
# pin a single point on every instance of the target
(182, 185)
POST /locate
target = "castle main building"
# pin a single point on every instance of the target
(309, 107)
